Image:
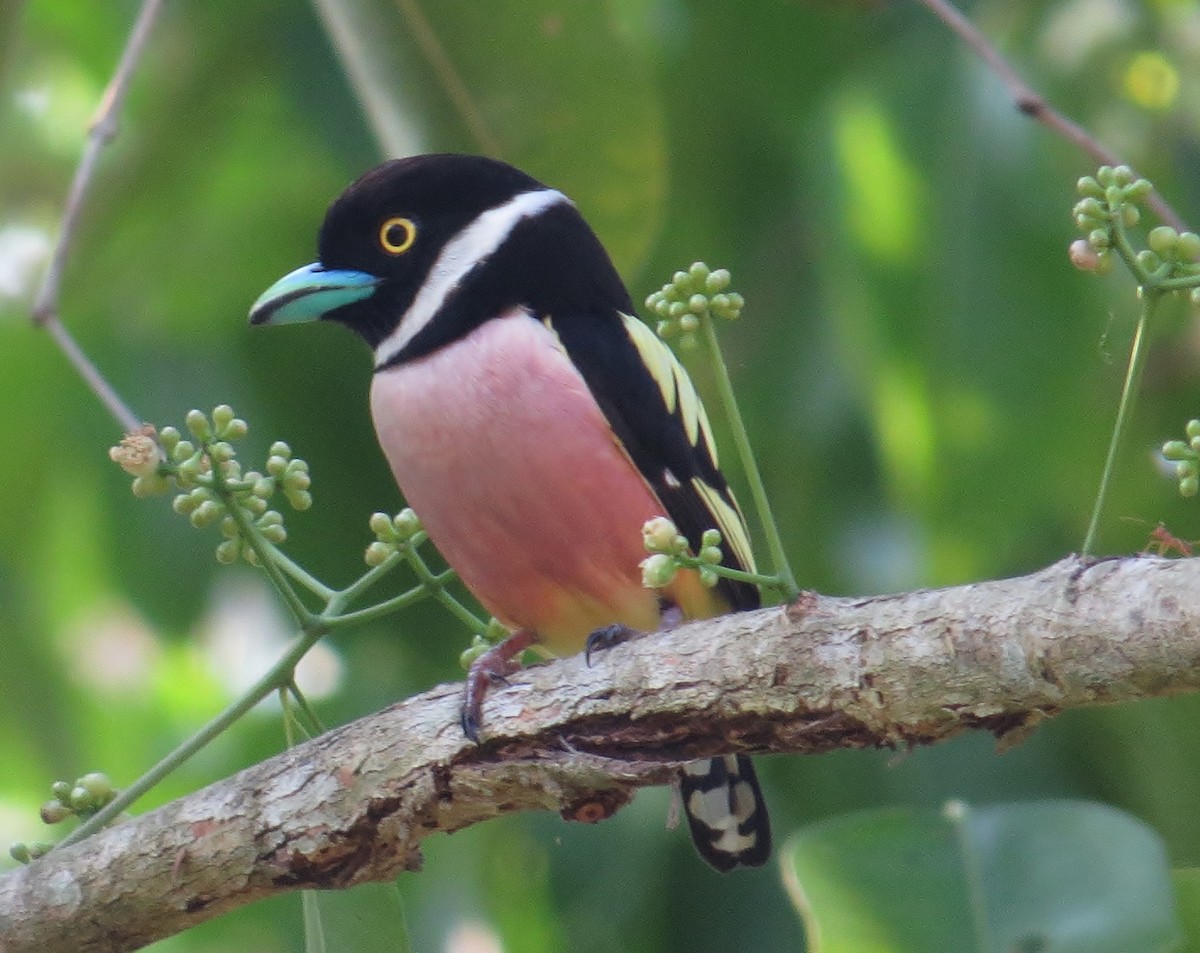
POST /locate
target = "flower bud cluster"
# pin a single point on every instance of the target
(1186, 457)
(689, 297)
(392, 533)
(1109, 198)
(213, 490)
(669, 552)
(80, 798)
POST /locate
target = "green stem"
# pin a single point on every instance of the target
(303, 576)
(786, 581)
(278, 675)
(388, 606)
(1133, 378)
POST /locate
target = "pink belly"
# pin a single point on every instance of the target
(498, 445)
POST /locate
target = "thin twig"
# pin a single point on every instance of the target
(1032, 104)
(102, 131)
(453, 83)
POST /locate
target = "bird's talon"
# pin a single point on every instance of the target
(606, 638)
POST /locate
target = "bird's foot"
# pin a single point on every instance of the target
(606, 638)
(494, 665)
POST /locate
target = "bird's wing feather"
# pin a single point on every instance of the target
(653, 408)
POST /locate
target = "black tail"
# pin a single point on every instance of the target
(726, 812)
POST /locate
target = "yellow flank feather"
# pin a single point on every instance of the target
(678, 392)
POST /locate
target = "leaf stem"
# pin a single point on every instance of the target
(786, 581)
(272, 680)
(1133, 378)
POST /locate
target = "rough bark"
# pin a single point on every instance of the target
(823, 673)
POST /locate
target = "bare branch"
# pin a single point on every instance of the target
(103, 130)
(823, 673)
(1031, 103)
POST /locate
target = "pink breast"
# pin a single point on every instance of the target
(498, 445)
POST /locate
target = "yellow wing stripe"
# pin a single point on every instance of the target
(729, 521)
(678, 392)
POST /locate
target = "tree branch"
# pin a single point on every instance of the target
(823, 673)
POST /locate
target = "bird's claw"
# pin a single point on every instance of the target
(606, 638)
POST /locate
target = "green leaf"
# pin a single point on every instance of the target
(1049, 877)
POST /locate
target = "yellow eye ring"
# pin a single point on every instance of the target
(396, 235)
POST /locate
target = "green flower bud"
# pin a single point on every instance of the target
(717, 281)
(658, 534)
(689, 324)
(236, 429)
(1189, 486)
(98, 785)
(1105, 175)
(1186, 469)
(677, 310)
(168, 437)
(54, 812)
(1099, 238)
(710, 537)
(1123, 175)
(1147, 260)
(1089, 187)
(666, 329)
(155, 485)
(658, 571)
(708, 577)
(228, 551)
(1104, 263)
(299, 500)
(679, 545)
(1188, 247)
(407, 523)
(1163, 240)
(182, 451)
(222, 416)
(297, 480)
(280, 449)
(679, 282)
(255, 505)
(697, 304)
(477, 647)
(1090, 208)
(711, 555)
(1175, 450)
(274, 533)
(61, 789)
(206, 514)
(1138, 190)
(1113, 196)
(222, 451)
(1130, 215)
(263, 488)
(198, 425)
(79, 799)
(229, 528)
(20, 852)
(376, 553)
(495, 631)
(276, 464)
(699, 273)
(250, 556)
(1192, 429)
(381, 525)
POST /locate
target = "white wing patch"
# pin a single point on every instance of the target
(729, 519)
(678, 392)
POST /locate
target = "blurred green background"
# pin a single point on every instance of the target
(929, 384)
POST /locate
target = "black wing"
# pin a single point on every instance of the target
(654, 410)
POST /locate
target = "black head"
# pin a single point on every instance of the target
(420, 251)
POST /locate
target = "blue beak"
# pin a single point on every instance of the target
(310, 293)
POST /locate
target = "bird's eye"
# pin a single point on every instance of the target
(397, 235)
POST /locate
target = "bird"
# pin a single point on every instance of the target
(534, 423)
